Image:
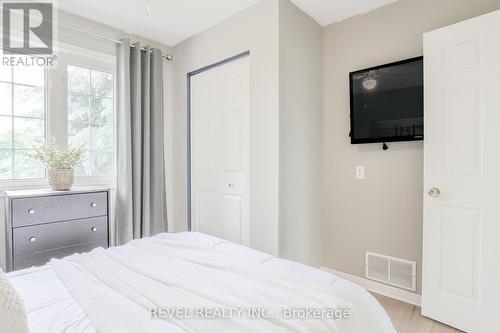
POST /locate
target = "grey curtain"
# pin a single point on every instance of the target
(141, 196)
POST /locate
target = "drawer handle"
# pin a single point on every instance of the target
(94, 229)
(32, 239)
(31, 211)
(93, 205)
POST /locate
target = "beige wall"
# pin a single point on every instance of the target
(382, 213)
(285, 119)
(255, 30)
(300, 95)
(74, 37)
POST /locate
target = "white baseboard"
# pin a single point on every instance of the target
(379, 288)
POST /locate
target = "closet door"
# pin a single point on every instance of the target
(461, 240)
(220, 151)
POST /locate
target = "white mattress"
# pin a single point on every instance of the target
(51, 308)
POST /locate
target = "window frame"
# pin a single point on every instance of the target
(56, 108)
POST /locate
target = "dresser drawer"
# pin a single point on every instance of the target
(44, 237)
(36, 210)
(40, 259)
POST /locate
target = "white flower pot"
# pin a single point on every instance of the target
(61, 179)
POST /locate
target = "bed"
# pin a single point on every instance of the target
(191, 282)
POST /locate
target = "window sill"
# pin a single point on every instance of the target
(6, 185)
(43, 184)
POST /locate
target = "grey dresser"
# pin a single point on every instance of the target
(42, 224)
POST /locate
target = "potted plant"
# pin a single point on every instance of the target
(59, 163)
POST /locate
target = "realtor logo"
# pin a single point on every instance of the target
(35, 21)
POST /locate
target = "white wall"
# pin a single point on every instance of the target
(80, 39)
(301, 116)
(254, 30)
(382, 213)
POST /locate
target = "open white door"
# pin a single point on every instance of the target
(220, 119)
(461, 259)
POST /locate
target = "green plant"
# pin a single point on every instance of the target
(54, 158)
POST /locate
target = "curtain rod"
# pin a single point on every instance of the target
(167, 57)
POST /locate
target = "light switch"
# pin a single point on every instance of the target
(360, 172)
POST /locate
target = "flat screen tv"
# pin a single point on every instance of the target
(387, 102)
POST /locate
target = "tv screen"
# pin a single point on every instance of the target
(387, 102)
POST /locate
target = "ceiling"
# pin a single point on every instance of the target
(326, 12)
(172, 21)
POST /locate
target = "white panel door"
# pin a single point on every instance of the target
(461, 259)
(220, 120)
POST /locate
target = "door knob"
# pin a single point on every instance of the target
(434, 192)
(32, 239)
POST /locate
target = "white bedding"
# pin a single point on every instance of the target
(49, 305)
(113, 290)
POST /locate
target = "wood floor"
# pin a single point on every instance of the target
(406, 318)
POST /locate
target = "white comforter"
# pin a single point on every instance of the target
(200, 275)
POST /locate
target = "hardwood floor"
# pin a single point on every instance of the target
(406, 318)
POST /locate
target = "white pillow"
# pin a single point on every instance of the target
(12, 311)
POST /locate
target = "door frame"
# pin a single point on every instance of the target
(189, 75)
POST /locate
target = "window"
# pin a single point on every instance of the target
(90, 118)
(72, 101)
(22, 120)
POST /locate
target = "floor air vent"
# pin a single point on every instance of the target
(394, 271)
